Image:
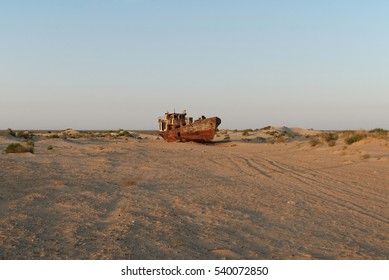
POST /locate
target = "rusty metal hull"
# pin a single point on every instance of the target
(199, 131)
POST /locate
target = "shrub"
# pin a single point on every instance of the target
(27, 135)
(272, 133)
(50, 147)
(226, 137)
(330, 136)
(18, 148)
(331, 143)
(11, 132)
(355, 137)
(266, 127)
(260, 139)
(379, 131)
(314, 141)
(55, 135)
(245, 132)
(124, 133)
(120, 132)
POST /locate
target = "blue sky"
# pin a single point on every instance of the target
(123, 63)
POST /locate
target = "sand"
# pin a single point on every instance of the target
(246, 198)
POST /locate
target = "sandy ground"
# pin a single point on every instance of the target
(128, 198)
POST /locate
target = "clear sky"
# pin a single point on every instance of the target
(123, 63)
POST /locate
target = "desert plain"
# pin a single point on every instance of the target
(272, 193)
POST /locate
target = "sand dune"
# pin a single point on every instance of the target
(246, 198)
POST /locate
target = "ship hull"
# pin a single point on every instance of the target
(199, 131)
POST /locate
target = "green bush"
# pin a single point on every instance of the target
(379, 131)
(18, 148)
(355, 137)
(246, 132)
(330, 136)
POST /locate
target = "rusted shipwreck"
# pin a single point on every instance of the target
(179, 127)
